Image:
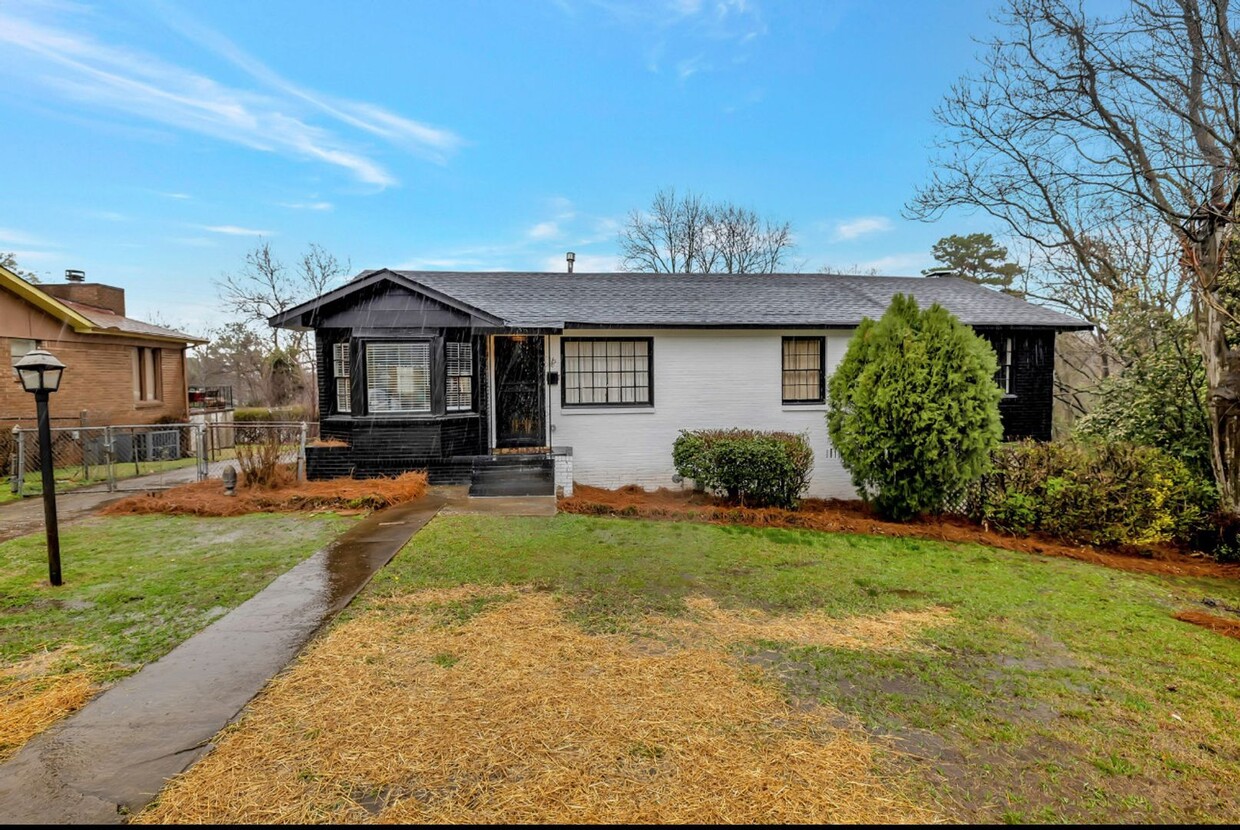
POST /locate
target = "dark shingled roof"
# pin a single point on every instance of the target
(655, 300)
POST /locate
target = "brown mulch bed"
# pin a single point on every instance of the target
(1219, 625)
(838, 516)
(207, 498)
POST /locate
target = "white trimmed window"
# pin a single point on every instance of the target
(340, 371)
(608, 372)
(398, 377)
(460, 371)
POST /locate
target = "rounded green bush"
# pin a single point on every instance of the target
(748, 466)
(914, 409)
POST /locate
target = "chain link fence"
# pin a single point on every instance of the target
(142, 457)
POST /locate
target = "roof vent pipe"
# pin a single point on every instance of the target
(571, 257)
(74, 275)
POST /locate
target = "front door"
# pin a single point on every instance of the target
(520, 401)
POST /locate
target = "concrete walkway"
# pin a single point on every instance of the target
(114, 755)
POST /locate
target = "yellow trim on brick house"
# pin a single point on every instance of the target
(82, 325)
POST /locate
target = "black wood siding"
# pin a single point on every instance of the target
(1027, 412)
(390, 444)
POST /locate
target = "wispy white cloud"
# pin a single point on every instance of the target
(544, 230)
(26, 257)
(689, 67)
(236, 230)
(176, 195)
(320, 206)
(666, 27)
(11, 236)
(69, 62)
(860, 226)
(898, 264)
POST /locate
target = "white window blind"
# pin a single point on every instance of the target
(398, 377)
(340, 370)
(460, 371)
(607, 372)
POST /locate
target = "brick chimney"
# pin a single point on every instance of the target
(76, 290)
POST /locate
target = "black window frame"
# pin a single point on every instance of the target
(564, 374)
(1004, 345)
(822, 370)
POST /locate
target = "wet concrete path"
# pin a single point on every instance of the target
(115, 755)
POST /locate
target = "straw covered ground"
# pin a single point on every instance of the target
(487, 704)
(207, 498)
(36, 693)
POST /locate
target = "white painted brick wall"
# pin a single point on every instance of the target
(702, 379)
(564, 476)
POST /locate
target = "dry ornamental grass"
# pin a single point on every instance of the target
(480, 705)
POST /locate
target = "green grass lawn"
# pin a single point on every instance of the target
(134, 587)
(1063, 691)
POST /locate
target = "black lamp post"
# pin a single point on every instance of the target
(40, 374)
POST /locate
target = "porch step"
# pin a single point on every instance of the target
(451, 472)
(513, 475)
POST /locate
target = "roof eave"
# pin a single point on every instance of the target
(44, 302)
(294, 317)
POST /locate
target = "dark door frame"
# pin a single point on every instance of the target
(535, 392)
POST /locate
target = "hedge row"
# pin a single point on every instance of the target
(288, 414)
(1094, 493)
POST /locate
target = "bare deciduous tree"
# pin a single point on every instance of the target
(1076, 120)
(688, 235)
(265, 287)
(854, 270)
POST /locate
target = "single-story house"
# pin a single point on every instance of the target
(119, 370)
(524, 382)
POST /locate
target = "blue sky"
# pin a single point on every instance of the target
(153, 143)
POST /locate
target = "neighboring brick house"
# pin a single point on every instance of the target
(119, 370)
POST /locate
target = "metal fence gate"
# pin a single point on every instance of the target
(143, 457)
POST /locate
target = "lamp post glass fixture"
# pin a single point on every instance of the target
(40, 374)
